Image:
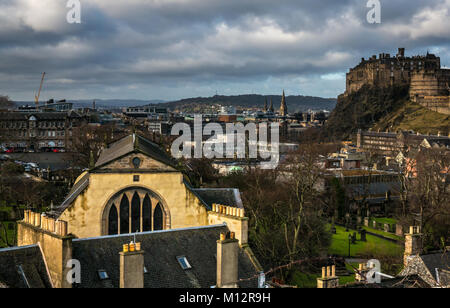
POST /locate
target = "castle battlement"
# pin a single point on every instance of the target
(428, 82)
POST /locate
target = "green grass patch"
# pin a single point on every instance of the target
(385, 234)
(413, 116)
(385, 220)
(372, 247)
(303, 280)
(10, 231)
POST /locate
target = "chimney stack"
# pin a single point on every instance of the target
(362, 272)
(132, 266)
(329, 279)
(413, 243)
(227, 261)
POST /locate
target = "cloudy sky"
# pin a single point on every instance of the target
(170, 49)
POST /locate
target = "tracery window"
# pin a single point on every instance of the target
(135, 210)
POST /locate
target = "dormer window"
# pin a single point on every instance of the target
(103, 275)
(184, 263)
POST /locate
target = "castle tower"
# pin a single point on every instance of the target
(283, 107)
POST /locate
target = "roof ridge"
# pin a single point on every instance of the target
(151, 232)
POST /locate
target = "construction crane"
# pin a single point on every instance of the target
(36, 97)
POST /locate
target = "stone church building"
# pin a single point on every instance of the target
(135, 193)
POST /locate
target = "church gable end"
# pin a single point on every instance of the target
(136, 161)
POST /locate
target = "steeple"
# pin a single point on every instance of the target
(271, 106)
(283, 107)
(265, 105)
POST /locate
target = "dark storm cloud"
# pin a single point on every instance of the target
(140, 48)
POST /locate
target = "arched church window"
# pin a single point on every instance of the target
(124, 215)
(135, 213)
(158, 218)
(147, 214)
(135, 210)
(113, 227)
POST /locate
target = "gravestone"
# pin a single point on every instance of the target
(363, 235)
(386, 228)
(366, 221)
(398, 230)
(333, 230)
(358, 220)
(374, 224)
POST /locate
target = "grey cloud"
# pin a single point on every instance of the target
(195, 44)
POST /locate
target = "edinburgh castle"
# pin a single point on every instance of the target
(428, 82)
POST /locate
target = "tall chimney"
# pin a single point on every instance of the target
(132, 266)
(227, 261)
(413, 244)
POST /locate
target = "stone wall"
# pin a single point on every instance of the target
(85, 215)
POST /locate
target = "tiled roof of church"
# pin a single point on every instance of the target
(23, 267)
(223, 196)
(198, 245)
(129, 144)
(76, 190)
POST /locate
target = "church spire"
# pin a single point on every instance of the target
(283, 107)
(265, 104)
(271, 106)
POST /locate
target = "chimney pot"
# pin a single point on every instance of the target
(324, 275)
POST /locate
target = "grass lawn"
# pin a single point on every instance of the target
(385, 234)
(373, 246)
(308, 280)
(10, 233)
(384, 220)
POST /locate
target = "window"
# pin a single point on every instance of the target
(184, 263)
(135, 211)
(103, 275)
(136, 162)
(135, 178)
(145, 270)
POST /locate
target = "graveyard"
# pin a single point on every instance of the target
(372, 246)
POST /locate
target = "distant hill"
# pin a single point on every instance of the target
(294, 103)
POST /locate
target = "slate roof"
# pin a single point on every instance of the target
(76, 190)
(23, 267)
(435, 261)
(41, 116)
(198, 245)
(223, 196)
(130, 144)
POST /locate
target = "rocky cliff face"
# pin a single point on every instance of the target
(363, 109)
